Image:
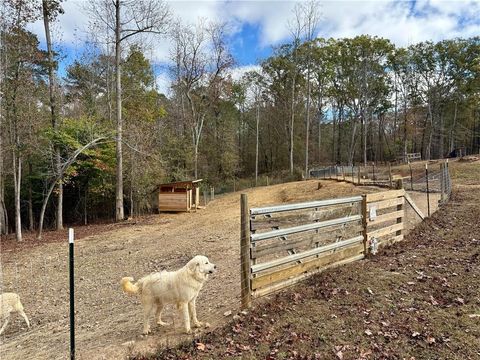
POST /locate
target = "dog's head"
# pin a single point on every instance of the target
(202, 266)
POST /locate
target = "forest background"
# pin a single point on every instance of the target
(87, 138)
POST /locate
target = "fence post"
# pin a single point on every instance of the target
(245, 252)
(343, 172)
(373, 165)
(442, 182)
(411, 175)
(428, 191)
(390, 174)
(364, 224)
(449, 184)
(205, 197)
(353, 175)
(72, 292)
(359, 178)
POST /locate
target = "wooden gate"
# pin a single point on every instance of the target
(284, 244)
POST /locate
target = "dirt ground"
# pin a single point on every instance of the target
(418, 299)
(109, 323)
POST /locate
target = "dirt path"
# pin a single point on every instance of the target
(418, 299)
(108, 322)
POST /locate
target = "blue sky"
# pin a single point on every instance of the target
(257, 26)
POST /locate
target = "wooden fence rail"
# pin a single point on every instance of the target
(282, 245)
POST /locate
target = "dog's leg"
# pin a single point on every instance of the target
(147, 313)
(5, 325)
(193, 313)
(22, 313)
(186, 317)
(159, 315)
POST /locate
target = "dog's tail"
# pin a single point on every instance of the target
(129, 287)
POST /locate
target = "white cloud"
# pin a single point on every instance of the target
(402, 22)
(237, 72)
(163, 83)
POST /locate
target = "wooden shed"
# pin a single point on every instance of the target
(178, 196)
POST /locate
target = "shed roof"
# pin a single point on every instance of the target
(181, 183)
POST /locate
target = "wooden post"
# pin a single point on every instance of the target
(359, 176)
(343, 172)
(390, 175)
(373, 165)
(400, 207)
(399, 184)
(364, 224)
(246, 294)
(442, 182)
(353, 175)
(428, 190)
(411, 176)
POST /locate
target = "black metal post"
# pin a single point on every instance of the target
(428, 191)
(72, 293)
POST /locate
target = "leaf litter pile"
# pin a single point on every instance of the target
(419, 299)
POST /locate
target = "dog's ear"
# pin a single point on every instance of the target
(193, 265)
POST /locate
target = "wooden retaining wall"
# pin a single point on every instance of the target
(282, 245)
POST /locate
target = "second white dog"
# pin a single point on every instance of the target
(179, 287)
(10, 303)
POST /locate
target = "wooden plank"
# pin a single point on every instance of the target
(387, 203)
(304, 254)
(306, 240)
(298, 269)
(305, 205)
(384, 231)
(302, 228)
(289, 219)
(278, 286)
(414, 207)
(386, 217)
(385, 195)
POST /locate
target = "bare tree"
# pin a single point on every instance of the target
(202, 59)
(50, 9)
(132, 18)
(310, 15)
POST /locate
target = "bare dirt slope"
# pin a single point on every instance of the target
(109, 322)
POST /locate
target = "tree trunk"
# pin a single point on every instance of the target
(53, 108)
(31, 224)
(196, 159)
(17, 181)
(292, 120)
(307, 121)
(85, 213)
(3, 209)
(405, 150)
(119, 211)
(364, 137)
(452, 130)
(256, 147)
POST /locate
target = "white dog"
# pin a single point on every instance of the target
(179, 287)
(10, 303)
